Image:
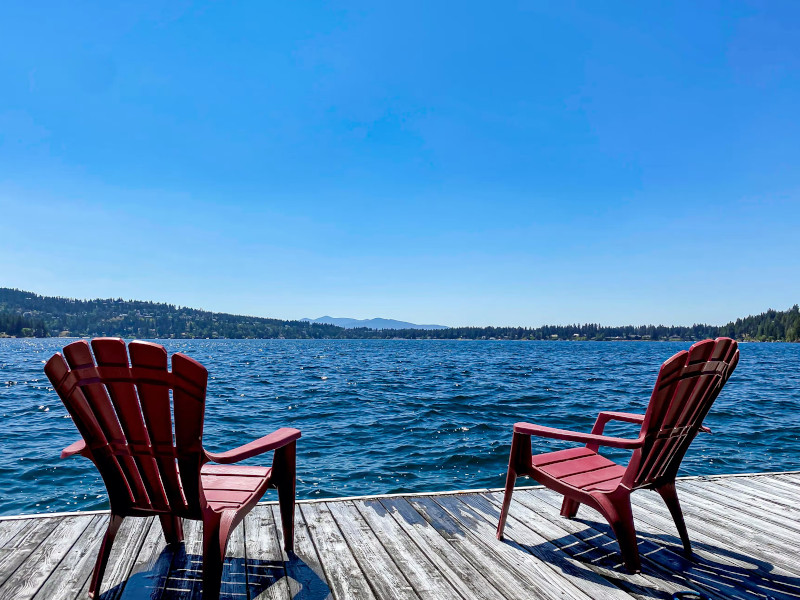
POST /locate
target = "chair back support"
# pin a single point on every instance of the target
(687, 385)
(124, 412)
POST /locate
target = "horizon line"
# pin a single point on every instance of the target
(301, 320)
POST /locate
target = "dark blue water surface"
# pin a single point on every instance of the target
(383, 416)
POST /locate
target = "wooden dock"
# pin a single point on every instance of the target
(745, 530)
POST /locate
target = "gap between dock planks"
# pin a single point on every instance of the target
(745, 531)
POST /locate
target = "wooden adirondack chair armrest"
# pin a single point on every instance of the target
(575, 436)
(78, 447)
(607, 415)
(610, 415)
(276, 439)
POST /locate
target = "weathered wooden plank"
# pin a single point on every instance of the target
(303, 566)
(425, 578)
(778, 484)
(281, 554)
(185, 578)
(757, 494)
(123, 555)
(342, 572)
(742, 493)
(757, 511)
(505, 564)
(788, 484)
(30, 575)
(555, 569)
(710, 541)
(67, 580)
(150, 568)
(732, 559)
(663, 559)
(234, 570)
(266, 573)
(793, 478)
(780, 493)
(469, 582)
(769, 538)
(17, 550)
(717, 573)
(716, 565)
(788, 487)
(382, 573)
(594, 549)
(11, 529)
(186, 574)
(745, 533)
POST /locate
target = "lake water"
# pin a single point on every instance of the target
(383, 416)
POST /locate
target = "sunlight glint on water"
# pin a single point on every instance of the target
(383, 416)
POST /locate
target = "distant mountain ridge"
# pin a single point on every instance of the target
(26, 314)
(377, 323)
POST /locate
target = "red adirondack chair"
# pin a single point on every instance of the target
(125, 415)
(687, 385)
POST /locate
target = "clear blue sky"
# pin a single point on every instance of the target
(454, 163)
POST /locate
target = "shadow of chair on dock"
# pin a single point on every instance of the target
(715, 571)
(721, 570)
(178, 575)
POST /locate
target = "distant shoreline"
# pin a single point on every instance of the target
(26, 314)
(387, 339)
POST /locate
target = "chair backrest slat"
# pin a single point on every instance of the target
(155, 402)
(79, 357)
(687, 385)
(189, 402)
(125, 414)
(83, 416)
(111, 353)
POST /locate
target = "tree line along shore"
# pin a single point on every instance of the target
(25, 314)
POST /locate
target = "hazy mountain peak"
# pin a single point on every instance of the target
(377, 323)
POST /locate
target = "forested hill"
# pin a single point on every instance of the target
(52, 316)
(25, 314)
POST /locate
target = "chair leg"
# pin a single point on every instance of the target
(518, 460)
(670, 497)
(511, 479)
(105, 552)
(173, 528)
(620, 517)
(285, 468)
(569, 508)
(216, 529)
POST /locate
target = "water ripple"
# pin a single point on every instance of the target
(384, 416)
